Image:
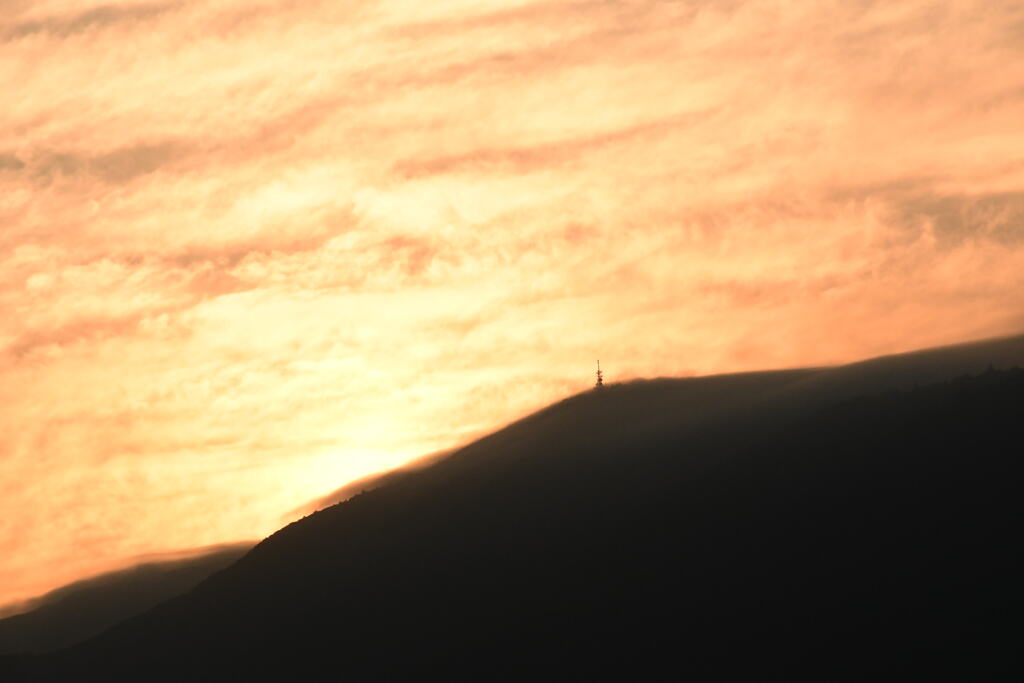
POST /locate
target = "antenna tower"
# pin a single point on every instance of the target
(600, 377)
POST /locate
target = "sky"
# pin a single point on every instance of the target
(252, 250)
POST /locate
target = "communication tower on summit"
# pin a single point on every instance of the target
(600, 377)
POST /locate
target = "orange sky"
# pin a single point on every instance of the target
(250, 250)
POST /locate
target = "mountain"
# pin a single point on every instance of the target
(86, 608)
(816, 524)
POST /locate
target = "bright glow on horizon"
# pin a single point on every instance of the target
(252, 251)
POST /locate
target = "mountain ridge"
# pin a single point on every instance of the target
(88, 607)
(610, 514)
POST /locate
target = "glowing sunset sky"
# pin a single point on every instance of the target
(252, 250)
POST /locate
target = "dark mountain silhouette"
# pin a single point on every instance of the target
(837, 524)
(86, 608)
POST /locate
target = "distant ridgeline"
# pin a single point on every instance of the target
(87, 608)
(704, 529)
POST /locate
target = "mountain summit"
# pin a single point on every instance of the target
(814, 524)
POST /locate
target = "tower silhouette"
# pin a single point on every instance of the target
(600, 376)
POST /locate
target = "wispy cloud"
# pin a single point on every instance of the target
(120, 165)
(543, 156)
(95, 18)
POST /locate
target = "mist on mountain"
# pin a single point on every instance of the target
(86, 608)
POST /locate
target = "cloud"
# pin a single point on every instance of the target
(120, 165)
(9, 162)
(124, 164)
(78, 332)
(542, 156)
(92, 19)
(998, 216)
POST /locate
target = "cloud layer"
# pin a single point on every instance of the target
(252, 251)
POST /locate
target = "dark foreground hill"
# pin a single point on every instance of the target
(727, 529)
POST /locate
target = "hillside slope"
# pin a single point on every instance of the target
(644, 530)
(86, 608)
